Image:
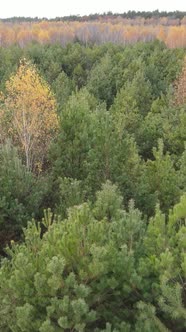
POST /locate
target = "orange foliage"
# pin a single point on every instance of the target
(117, 30)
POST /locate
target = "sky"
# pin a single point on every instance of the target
(50, 9)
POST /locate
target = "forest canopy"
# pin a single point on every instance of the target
(122, 29)
(92, 182)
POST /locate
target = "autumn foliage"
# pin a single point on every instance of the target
(89, 260)
(118, 30)
(28, 114)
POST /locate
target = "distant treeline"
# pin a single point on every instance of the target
(121, 31)
(131, 14)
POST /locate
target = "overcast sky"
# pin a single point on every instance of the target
(48, 8)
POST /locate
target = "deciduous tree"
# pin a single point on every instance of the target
(30, 109)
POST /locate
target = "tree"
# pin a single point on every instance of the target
(91, 150)
(102, 80)
(102, 269)
(180, 87)
(21, 194)
(29, 114)
(159, 182)
(164, 263)
(63, 88)
(80, 276)
(75, 135)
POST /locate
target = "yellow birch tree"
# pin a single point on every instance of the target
(28, 114)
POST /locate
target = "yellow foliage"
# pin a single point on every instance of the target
(30, 109)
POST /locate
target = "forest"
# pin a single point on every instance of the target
(121, 29)
(92, 181)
